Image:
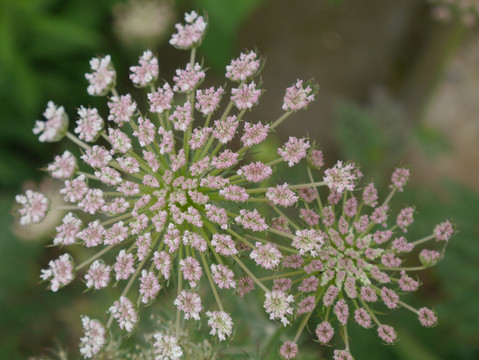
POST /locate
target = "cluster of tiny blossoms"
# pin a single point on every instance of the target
(346, 255)
(165, 201)
(152, 191)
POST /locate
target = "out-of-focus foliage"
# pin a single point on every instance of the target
(431, 140)
(225, 18)
(378, 136)
(41, 43)
(27, 309)
(375, 136)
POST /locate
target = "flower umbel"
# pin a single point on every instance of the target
(158, 194)
(350, 258)
(166, 201)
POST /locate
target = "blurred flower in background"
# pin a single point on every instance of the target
(466, 10)
(42, 230)
(141, 24)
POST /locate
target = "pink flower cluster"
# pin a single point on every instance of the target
(190, 34)
(167, 203)
(155, 196)
(349, 260)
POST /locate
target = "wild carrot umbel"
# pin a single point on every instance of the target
(164, 200)
(157, 193)
(347, 257)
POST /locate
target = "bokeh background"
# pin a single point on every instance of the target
(399, 84)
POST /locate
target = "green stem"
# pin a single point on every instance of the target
(239, 237)
(278, 232)
(310, 175)
(305, 319)
(284, 248)
(368, 309)
(94, 257)
(279, 276)
(423, 240)
(127, 288)
(89, 176)
(346, 339)
(66, 207)
(280, 120)
(409, 307)
(212, 283)
(115, 219)
(274, 162)
(78, 141)
(180, 287)
(390, 196)
(292, 187)
(280, 213)
(412, 268)
(250, 274)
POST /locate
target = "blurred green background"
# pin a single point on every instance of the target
(396, 87)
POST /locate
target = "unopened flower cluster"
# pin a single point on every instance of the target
(347, 256)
